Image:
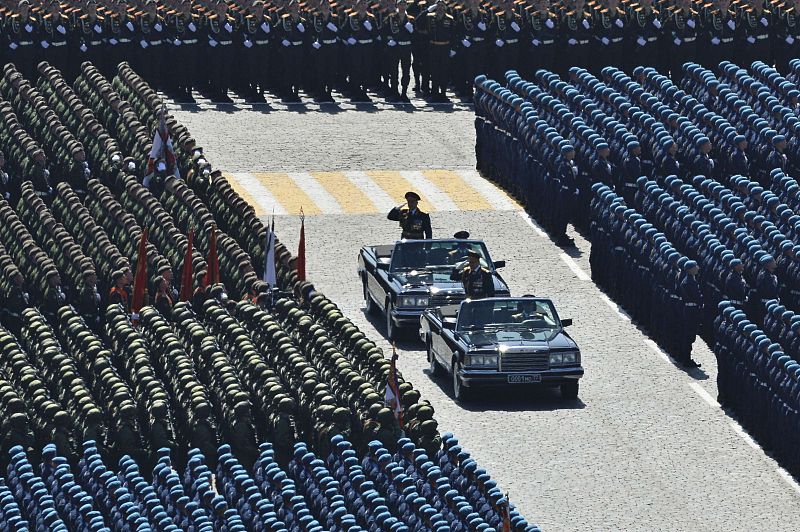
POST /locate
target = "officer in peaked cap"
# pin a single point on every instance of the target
(414, 223)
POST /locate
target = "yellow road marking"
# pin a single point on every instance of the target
(349, 196)
(462, 194)
(394, 184)
(244, 193)
(288, 194)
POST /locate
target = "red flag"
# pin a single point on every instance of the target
(140, 280)
(301, 249)
(212, 273)
(186, 275)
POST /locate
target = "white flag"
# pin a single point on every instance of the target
(269, 257)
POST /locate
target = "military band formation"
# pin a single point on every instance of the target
(389, 47)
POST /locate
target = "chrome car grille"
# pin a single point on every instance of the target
(442, 300)
(525, 362)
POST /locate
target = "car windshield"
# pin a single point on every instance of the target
(435, 255)
(517, 313)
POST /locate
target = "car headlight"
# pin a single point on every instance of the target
(413, 301)
(482, 360)
(570, 358)
(556, 359)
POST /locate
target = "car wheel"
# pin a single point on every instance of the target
(435, 368)
(460, 392)
(369, 304)
(391, 328)
(569, 390)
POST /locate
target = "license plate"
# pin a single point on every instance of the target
(524, 379)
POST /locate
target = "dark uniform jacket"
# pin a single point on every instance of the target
(478, 283)
(415, 225)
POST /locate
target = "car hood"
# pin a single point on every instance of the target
(519, 341)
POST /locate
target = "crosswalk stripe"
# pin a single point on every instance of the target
(349, 196)
(496, 197)
(318, 194)
(435, 195)
(464, 196)
(382, 201)
(255, 194)
(291, 196)
(396, 186)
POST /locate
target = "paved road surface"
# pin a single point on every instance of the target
(645, 447)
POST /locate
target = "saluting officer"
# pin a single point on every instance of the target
(440, 26)
(478, 281)
(398, 37)
(682, 29)
(415, 224)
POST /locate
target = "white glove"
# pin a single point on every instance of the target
(452, 53)
(368, 25)
(145, 44)
(45, 44)
(732, 24)
(410, 27)
(677, 41)
(481, 26)
(536, 42)
(83, 48)
(13, 46)
(751, 39)
(572, 42)
(331, 26)
(228, 27)
(191, 26)
(619, 23)
(113, 41)
(391, 43)
(789, 39)
(351, 41)
(515, 26)
(265, 27)
(301, 28)
(715, 41)
(605, 40)
(62, 30)
(176, 42)
(499, 42)
(640, 41)
(657, 23)
(98, 28)
(585, 24)
(157, 26)
(466, 43)
(28, 28)
(248, 44)
(316, 45)
(764, 22)
(690, 23)
(549, 23)
(213, 43)
(285, 42)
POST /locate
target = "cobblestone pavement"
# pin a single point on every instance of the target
(645, 447)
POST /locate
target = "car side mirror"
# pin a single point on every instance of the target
(499, 264)
(383, 266)
(566, 322)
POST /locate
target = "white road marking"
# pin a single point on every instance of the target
(496, 197)
(660, 352)
(572, 265)
(788, 479)
(745, 436)
(437, 197)
(260, 194)
(616, 308)
(704, 395)
(539, 231)
(382, 201)
(321, 197)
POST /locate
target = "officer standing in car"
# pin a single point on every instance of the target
(477, 280)
(416, 225)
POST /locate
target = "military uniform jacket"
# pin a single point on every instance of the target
(440, 30)
(152, 33)
(683, 27)
(54, 30)
(478, 283)
(325, 30)
(610, 27)
(472, 27)
(255, 32)
(291, 32)
(415, 225)
(220, 32)
(121, 31)
(719, 28)
(544, 29)
(360, 30)
(577, 28)
(787, 28)
(401, 32)
(90, 33)
(754, 28)
(507, 27)
(645, 27)
(184, 31)
(20, 33)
